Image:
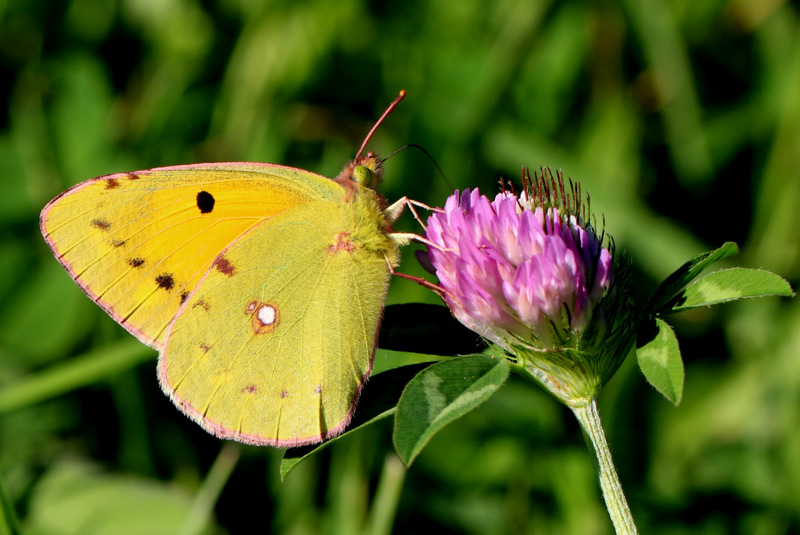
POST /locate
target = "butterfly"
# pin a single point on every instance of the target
(261, 286)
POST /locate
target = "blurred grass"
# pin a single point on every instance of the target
(682, 119)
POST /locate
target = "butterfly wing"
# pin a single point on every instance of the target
(138, 243)
(276, 342)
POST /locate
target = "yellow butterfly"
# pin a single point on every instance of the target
(261, 286)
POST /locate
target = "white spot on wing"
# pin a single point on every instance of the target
(267, 315)
(264, 317)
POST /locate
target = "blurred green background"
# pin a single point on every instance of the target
(680, 117)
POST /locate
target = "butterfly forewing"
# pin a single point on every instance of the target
(138, 243)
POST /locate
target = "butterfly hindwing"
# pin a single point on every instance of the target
(275, 343)
(138, 243)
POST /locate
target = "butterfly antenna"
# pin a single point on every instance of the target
(391, 107)
(426, 153)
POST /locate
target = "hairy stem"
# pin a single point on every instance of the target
(616, 504)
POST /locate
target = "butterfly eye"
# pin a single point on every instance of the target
(364, 176)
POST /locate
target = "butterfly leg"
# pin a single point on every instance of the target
(392, 213)
(419, 280)
(404, 238)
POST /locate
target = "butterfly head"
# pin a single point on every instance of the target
(365, 172)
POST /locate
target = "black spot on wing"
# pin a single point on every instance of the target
(136, 262)
(165, 281)
(205, 202)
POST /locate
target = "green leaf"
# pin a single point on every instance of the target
(729, 285)
(673, 285)
(660, 361)
(78, 499)
(378, 401)
(442, 393)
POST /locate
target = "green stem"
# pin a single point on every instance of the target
(616, 504)
(199, 516)
(8, 519)
(73, 373)
(387, 496)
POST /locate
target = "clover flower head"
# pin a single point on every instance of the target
(527, 271)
